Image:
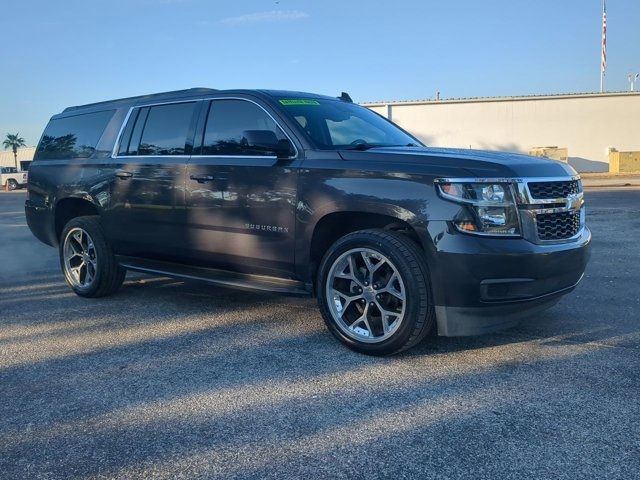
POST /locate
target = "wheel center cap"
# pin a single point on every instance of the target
(369, 294)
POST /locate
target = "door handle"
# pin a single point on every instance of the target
(124, 175)
(201, 178)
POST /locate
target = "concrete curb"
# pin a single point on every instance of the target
(611, 185)
(604, 180)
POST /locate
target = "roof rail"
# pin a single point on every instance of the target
(194, 91)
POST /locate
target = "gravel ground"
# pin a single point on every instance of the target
(172, 380)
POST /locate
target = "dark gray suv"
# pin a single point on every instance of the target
(305, 194)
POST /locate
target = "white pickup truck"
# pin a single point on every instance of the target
(11, 178)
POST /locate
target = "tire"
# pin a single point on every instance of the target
(399, 285)
(83, 243)
(12, 184)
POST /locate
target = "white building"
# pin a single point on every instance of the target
(25, 155)
(587, 124)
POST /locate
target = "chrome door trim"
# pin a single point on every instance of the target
(114, 151)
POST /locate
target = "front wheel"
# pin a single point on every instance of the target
(88, 264)
(12, 184)
(374, 292)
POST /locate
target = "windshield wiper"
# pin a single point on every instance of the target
(360, 146)
(366, 146)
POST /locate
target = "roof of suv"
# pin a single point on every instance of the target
(194, 92)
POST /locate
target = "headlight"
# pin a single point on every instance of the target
(490, 207)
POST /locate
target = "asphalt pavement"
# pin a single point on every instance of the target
(174, 380)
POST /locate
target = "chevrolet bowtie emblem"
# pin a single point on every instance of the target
(574, 201)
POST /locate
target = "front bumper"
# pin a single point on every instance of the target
(484, 284)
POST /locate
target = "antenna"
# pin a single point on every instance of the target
(345, 97)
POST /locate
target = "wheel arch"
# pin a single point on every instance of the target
(334, 222)
(71, 207)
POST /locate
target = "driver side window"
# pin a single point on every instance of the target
(240, 128)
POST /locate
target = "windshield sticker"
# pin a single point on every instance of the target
(299, 102)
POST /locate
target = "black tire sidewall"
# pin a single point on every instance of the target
(103, 253)
(412, 293)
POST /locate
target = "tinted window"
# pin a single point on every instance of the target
(73, 137)
(238, 127)
(345, 131)
(333, 124)
(158, 130)
(133, 132)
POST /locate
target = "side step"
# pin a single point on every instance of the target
(224, 278)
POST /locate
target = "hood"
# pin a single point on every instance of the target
(475, 163)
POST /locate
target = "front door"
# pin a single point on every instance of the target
(146, 217)
(241, 198)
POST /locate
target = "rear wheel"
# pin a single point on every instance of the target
(374, 293)
(12, 184)
(89, 266)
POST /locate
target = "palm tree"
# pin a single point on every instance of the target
(14, 142)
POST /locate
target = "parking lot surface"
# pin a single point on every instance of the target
(167, 379)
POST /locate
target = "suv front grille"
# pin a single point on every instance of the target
(558, 226)
(552, 190)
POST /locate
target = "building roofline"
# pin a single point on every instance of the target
(522, 98)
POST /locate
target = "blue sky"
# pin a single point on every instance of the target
(60, 53)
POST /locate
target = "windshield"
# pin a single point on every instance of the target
(334, 124)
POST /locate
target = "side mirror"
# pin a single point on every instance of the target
(284, 149)
(266, 141)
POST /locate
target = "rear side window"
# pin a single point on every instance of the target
(240, 128)
(72, 137)
(157, 130)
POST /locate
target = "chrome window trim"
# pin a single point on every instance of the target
(116, 146)
(271, 157)
(114, 152)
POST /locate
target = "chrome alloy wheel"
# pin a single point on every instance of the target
(80, 260)
(366, 295)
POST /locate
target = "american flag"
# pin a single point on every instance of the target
(603, 66)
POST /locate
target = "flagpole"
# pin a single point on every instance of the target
(603, 54)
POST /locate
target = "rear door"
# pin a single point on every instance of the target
(240, 198)
(147, 215)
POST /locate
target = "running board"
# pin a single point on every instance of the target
(214, 276)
